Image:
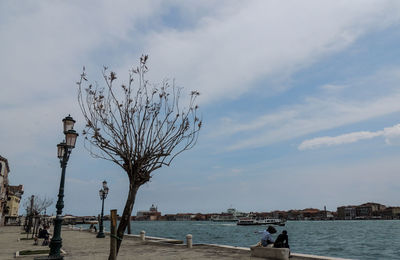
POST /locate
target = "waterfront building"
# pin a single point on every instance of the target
(346, 212)
(151, 214)
(4, 170)
(369, 210)
(279, 214)
(294, 215)
(14, 194)
(391, 213)
(184, 216)
(312, 214)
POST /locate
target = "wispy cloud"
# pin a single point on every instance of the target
(224, 54)
(321, 111)
(391, 134)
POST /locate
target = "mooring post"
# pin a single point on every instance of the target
(129, 226)
(143, 235)
(189, 240)
(113, 235)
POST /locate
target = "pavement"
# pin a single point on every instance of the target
(85, 246)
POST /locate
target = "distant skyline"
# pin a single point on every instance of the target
(300, 99)
(251, 211)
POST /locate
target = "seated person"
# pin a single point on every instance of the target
(266, 238)
(282, 241)
(46, 236)
(40, 234)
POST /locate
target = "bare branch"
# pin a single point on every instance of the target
(139, 126)
(40, 204)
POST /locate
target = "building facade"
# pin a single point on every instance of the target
(346, 212)
(369, 210)
(4, 170)
(14, 194)
(391, 213)
(151, 214)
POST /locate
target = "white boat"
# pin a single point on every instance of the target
(260, 221)
(232, 215)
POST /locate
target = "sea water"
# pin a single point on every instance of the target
(364, 239)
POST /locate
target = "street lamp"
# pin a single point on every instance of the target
(103, 195)
(63, 152)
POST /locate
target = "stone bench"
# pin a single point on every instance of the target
(270, 252)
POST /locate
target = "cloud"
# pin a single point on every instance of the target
(219, 48)
(391, 134)
(225, 54)
(333, 88)
(323, 110)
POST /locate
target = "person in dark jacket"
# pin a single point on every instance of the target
(282, 241)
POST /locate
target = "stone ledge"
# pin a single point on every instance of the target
(270, 252)
(316, 257)
(17, 255)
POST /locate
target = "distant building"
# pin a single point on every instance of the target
(369, 210)
(346, 212)
(151, 214)
(4, 170)
(184, 216)
(391, 213)
(312, 214)
(294, 215)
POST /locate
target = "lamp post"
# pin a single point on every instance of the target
(103, 195)
(63, 152)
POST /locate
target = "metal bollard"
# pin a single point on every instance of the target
(143, 235)
(189, 240)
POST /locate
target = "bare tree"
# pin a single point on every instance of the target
(34, 206)
(38, 206)
(139, 126)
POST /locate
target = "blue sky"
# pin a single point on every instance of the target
(300, 99)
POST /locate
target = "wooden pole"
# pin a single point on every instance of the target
(113, 235)
(129, 226)
(34, 226)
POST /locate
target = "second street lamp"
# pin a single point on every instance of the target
(64, 150)
(103, 195)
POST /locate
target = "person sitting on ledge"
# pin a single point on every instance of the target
(45, 235)
(266, 238)
(282, 241)
(39, 235)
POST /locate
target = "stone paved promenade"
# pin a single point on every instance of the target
(84, 246)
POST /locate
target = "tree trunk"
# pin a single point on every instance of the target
(126, 215)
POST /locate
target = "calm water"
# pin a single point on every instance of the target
(375, 239)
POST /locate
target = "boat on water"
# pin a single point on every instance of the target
(231, 215)
(260, 221)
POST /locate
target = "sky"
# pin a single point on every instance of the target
(300, 100)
